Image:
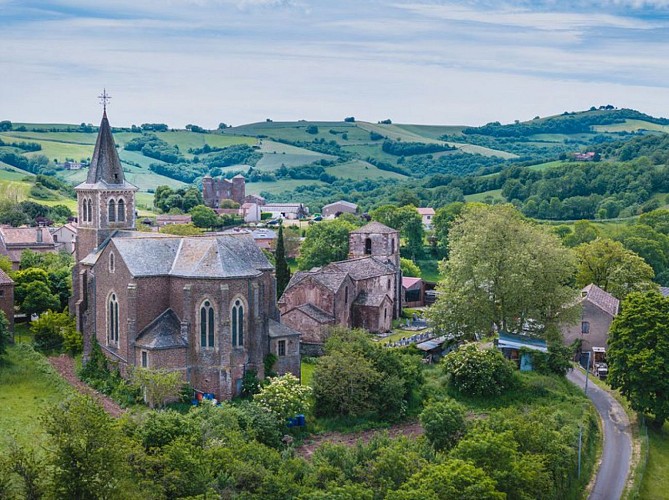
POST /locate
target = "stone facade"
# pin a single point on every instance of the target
(361, 292)
(214, 191)
(204, 306)
(7, 298)
(599, 310)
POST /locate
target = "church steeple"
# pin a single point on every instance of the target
(106, 200)
(105, 164)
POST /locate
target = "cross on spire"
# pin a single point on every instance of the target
(104, 99)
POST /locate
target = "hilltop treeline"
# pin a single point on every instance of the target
(654, 147)
(399, 148)
(568, 123)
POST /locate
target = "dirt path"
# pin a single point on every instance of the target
(410, 429)
(64, 365)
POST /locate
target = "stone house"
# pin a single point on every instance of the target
(214, 191)
(339, 207)
(7, 298)
(65, 237)
(286, 210)
(426, 214)
(14, 240)
(599, 310)
(204, 306)
(414, 292)
(363, 291)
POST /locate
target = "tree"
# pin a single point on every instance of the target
(607, 264)
(638, 354)
(159, 386)
(503, 274)
(284, 397)
(409, 268)
(87, 452)
(5, 264)
(5, 337)
(282, 269)
(444, 423)
(38, 298)
(407, 221)
(325, 242)
(584, 232)
(181, 230)
(204, 217)
(441, 223)
(479, 372)
(53, 331)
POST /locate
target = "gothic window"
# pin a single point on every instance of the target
(84, 211)
(112, 319)
(207, 324)
(145, 359)
(121, 211)
(112, 263)
(368, 246)
(112, 211)
(90, 210)
(237, 324)
(281, 347)
(388, 283)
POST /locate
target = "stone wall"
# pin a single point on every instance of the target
(7, 302)
(600, 323)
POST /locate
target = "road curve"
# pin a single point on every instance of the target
(617, 450)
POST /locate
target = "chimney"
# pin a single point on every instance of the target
(39, 235)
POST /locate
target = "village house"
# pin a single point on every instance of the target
(14, 240)
(163, 220)
(599, 308)
(203, 306)
(339, 207)
(64, 237)
(286, 210)
(426, 215)
(413, 290)
(250, 212)
(7, 298)
(363, 291)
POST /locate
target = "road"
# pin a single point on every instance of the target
(617, 451)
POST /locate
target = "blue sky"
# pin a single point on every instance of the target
(240, 61)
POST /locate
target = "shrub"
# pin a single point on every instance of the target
(479, 372)
(444, 423)
(284, 397)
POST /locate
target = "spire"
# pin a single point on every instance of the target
(105, 164)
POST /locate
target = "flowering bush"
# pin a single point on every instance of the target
(479, 372)
(284, 397)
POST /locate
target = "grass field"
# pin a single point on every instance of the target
(544, 166)
(655, 482)
(28, 386)
(307, 372)
(359, 169)
(496, 195)
(279, 187)
(631, 126)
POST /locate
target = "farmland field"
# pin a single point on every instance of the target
(358, 169)
(279, 187)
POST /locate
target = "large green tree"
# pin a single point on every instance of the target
(325, 242)
(613, 268)
(638, 353)
(441, 224)
(504, 273)
(204, 217)
(281, 264)
(407, 221)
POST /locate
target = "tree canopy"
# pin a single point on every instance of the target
(503, 273)
(325, 242)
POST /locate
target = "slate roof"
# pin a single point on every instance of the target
(341, 202)
(225, 256)
(374, 227)
(362, 267)
(4, 279)
(316, 313)
(105, 170)
(370, 299)
(604, 300)
(164, 332)
(277, 330)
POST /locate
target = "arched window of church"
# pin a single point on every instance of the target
(121, 211)
(112, 262)
(237, 323)
(368, 246)
(112, 320)
(392, 245)
(112, 211)
(90, 210)
(84, 211)
(207, 324)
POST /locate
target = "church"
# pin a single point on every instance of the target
(364, 291)
(205, 306)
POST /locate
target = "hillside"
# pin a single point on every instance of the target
(318, 162)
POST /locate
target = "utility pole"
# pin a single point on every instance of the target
(580, 441)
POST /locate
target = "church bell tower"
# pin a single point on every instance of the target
(106, 201)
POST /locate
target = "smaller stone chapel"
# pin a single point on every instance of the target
(204, 306)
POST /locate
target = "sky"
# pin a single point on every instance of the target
(241, 61)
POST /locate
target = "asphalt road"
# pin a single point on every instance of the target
(617, 451)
